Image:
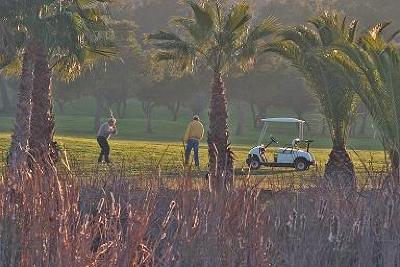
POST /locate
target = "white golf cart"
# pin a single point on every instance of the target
(296, 155)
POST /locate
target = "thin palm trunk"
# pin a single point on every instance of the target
(394, 166)
(240, 121)
(124, 104)
(42, 122)
(4, 96)
(262, 113)
(61, 106)
(363, 124)
(323, 127)
(98, 113)
(148, 107)
(220, 156)
(20, 138)
(254, 115)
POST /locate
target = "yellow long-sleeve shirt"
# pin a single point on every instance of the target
(194, 130)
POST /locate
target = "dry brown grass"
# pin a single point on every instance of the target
(52, 219)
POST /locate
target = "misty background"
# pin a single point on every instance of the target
(151, 103)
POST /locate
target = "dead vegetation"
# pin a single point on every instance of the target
(52, 219)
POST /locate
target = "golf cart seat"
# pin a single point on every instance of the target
(296, 142)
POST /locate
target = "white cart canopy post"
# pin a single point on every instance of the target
(268, 121)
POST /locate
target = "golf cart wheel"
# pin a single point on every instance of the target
(254, 163)
(301, 164)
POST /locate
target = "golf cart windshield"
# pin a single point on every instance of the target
(268, 122)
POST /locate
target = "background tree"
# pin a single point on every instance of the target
(65, 93)
(272, 84)
(7, 94)
(199, 92)
(113, 81)
(219, 38)
(150, 97)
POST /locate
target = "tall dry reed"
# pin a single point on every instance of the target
(53, 219)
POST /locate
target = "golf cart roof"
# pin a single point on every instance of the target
(282, 120)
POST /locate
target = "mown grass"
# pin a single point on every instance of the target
(168, 156)
(169, 131)
(138, 151)
(78, 121)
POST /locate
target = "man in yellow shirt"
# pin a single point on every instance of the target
(193, 135)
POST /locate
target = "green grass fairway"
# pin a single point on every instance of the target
(143, 155)
(137, 152)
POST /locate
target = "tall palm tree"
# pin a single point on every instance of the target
(55, 46)
(20, 139)
(305, 49)
(218, 38)
(10, 64)
(56, 35)
(373, 65)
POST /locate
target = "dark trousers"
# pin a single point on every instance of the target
(105, 149)
(192, 144)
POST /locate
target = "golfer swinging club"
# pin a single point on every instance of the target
(193, 135)
(106, 130)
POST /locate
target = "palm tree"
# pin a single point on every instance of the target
(219, 39)
(373, 65)
(52, 35)
(10, 65)
(305, 49)
(20, 139)
(55, 46)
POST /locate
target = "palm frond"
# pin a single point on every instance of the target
(377, 62)
(212, 35)
(162, 36)
(7, 46)
(352, 31)
(301, 36)
(203, 16)
(309, 50)
(267, 27)
(237, 18)
(393, 36)
(251, 44)
(164, 56)
(287, 49)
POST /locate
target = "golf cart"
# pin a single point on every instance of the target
(296, 155)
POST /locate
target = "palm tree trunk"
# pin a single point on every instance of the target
(20, 138)
(42, 123)
(220, 155)
(339, 170)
